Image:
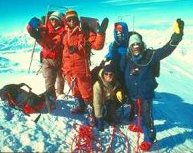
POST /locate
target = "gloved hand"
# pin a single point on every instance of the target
(34, 23)
(35, 33)
(33, 28)
(119, 96)
(103, 27)
(178, 32)
(179, 26)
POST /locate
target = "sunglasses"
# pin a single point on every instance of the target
(74, 19)
(108, 73)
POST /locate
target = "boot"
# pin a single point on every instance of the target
(100, 124)
(80, 108)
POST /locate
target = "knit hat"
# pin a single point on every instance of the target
(71, 13)
(135, 38)
(56, 15)
(108, 67)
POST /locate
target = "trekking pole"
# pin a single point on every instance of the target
(71, 87)
(38, 71)
(34, 46)
(133, 22)
(37, 118)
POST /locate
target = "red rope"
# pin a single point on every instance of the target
(84, 140)
(138, 101)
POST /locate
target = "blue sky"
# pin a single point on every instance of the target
(15, 14)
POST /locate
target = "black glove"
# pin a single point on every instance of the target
(180, 24)
(178, 32)
(103, 27)
(34, 28)
(35, 33)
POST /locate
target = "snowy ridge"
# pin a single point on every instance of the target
(15, 42)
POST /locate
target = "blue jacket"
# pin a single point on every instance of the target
(142, 84)
(115, 54)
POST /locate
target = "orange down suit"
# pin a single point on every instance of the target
(75, 65)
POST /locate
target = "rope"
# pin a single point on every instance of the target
(84, 140)
(138, 101)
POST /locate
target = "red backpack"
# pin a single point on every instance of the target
(20, 99)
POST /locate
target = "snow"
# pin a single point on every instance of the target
(55, 132)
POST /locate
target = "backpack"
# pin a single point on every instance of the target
(88, 25)
(20, 99)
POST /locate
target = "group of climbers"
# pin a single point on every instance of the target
(65, 51)
(126, 75)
